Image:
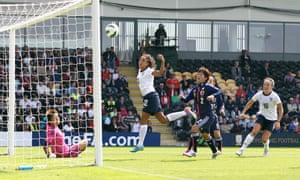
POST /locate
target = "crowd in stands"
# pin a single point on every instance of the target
(118, 111)
(62, 79)
(49, 78)
(247, 75)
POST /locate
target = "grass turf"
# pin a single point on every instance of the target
(158, 163)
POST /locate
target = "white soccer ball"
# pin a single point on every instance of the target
(111, 30)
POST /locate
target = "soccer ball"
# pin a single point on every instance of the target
(111, 30)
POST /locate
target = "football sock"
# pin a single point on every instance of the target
(247, 141)
(195, 143)
(266, 144)
(142, 134)
(211, 145)
(190, 143)
(219, 144)
(176, 115)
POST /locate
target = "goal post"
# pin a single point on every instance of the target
(52, 48)
(97, 83)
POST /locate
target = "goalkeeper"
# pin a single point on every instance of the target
(55, 139)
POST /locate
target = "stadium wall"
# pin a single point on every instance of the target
(244, 10)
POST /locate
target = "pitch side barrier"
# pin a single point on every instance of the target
(276, 140)
(152, 139)
(109, 139)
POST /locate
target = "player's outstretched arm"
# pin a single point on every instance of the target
(161, 71)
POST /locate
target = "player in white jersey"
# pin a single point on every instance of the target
(151, 99)
(269, 115)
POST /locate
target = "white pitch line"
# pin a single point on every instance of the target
(145, 173)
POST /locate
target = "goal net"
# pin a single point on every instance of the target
(46, 62)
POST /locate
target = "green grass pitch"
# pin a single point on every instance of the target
(162, 163)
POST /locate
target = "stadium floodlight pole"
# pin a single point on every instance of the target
(11, 96)
(97, 82)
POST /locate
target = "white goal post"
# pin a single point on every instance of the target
(67, 26)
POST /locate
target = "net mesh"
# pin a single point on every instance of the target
(53, 70)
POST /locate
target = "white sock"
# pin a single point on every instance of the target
(247, 142)
(142, 134)
(266, 144)
(176, 115)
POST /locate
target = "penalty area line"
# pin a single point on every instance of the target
(144, 173)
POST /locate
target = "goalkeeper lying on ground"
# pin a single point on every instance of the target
(55, 139)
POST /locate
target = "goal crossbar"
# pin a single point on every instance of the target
(32, 12)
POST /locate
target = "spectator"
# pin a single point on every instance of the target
(250, 123)
(235, 113)
(130, 117)
(293, 125)
(291, 105)
(236, 128)
(297, 79)
(172, 84)
(241, 103)
(123, 111)
(189, 89)
(169, 70)
(161, 90)
(107, 122)
(241, 92)
(160, 35)
(135, 125)
(165, 101)
(265, 71)
(175, 99)
(121, 82)
(289, 80)
(229, 106)
(185, 83)
(23, 103)
(121, 125)
(29, 118)
(297, 101)
(285, 121)
(251, 90)
(121, 102)
(247, 73)
(111, 59)
(236, 72)
(68, 127)
(19, 125)
(245, 58)
(110, 104)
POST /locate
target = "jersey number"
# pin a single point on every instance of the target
(266, 105)
(145, 102)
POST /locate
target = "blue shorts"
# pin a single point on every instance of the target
(152, 103)
(215, 125)
(206, 123)
(265, 123)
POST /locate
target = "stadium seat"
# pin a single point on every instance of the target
(194, 75)
(188, 75)
(230, 81)
(217, 75)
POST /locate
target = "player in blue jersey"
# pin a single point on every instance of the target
(215, 127)
(203, 95)
(152, 105)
